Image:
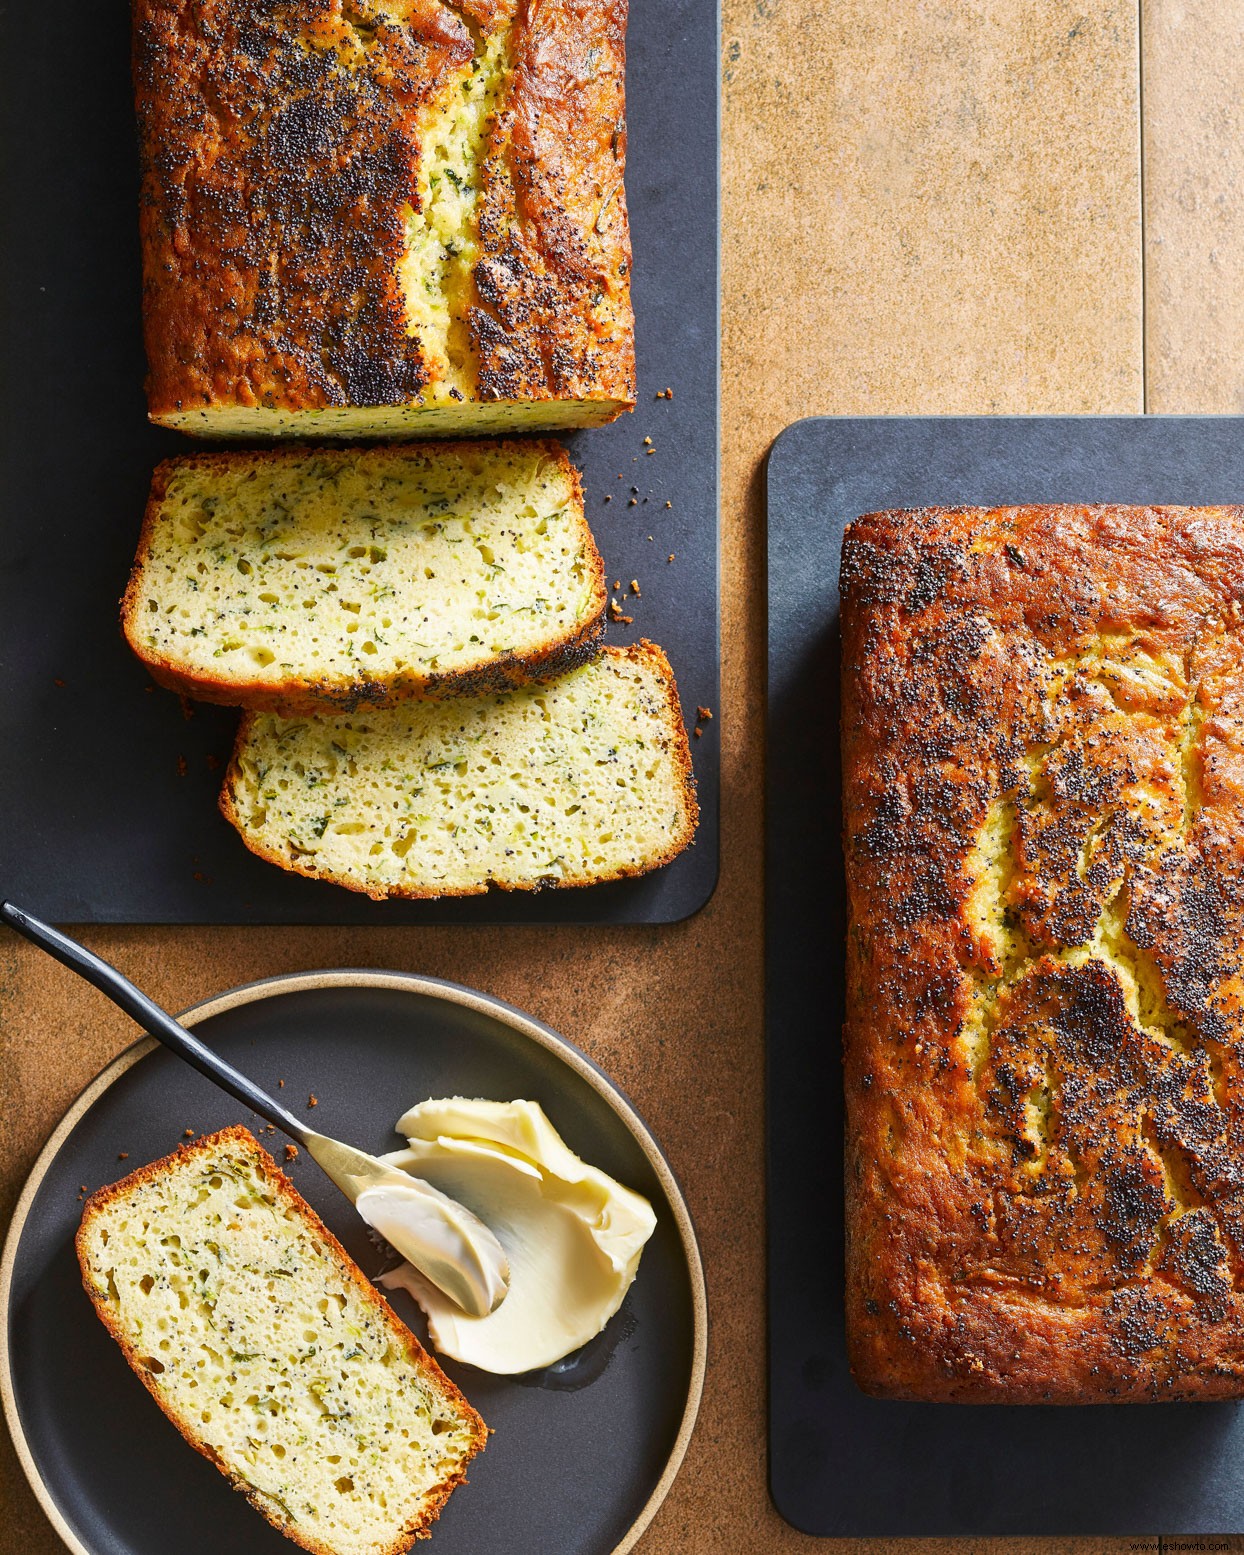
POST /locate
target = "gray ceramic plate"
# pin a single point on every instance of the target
(582, 1454)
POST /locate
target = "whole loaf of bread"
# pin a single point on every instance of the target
(1043, 752)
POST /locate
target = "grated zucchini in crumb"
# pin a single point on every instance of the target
(255, 1339)
(582, 779)
(451, 418)
(278, 579)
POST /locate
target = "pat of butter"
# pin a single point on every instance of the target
(572, 1235)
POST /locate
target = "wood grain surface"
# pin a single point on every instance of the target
(929, 206)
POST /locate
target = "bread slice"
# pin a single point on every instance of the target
(587, 778)
(304, 579)
(269, 1350)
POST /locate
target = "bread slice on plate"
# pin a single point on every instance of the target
(585, 779)
(303, 579)
(270, 1351)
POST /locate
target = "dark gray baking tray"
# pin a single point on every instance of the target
(582, 1452)
(840, 1463)
(109, 792)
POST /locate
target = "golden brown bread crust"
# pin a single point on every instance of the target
(680, 752)
(1043, 768)
(402, 1336)
(280, 145)
(558, 656)
(553, 225)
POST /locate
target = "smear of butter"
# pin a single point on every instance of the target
(451, 1248)
(573, 1236)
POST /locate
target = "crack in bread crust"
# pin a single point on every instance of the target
(1042, 777)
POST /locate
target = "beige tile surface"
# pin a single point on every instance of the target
(928, 207)
(931, 206)
(1193, 136)
(1194, 205)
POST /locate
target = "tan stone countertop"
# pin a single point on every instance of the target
(929, 206)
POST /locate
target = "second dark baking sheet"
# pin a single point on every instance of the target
(109, 791)
(841, 1463)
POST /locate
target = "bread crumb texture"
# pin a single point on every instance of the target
(1042, 735)
(311, 579)
(270, 1352)
(583, 779)
(393, 217)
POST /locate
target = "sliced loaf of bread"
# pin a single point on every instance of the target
(584, 779)
(270, 1352)
(297, 580)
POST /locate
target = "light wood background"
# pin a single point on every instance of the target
(929, 206)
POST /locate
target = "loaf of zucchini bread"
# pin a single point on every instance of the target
(583, 779)
(389, 217)
(298, 580)
(1043, 785)
(270, 1351)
